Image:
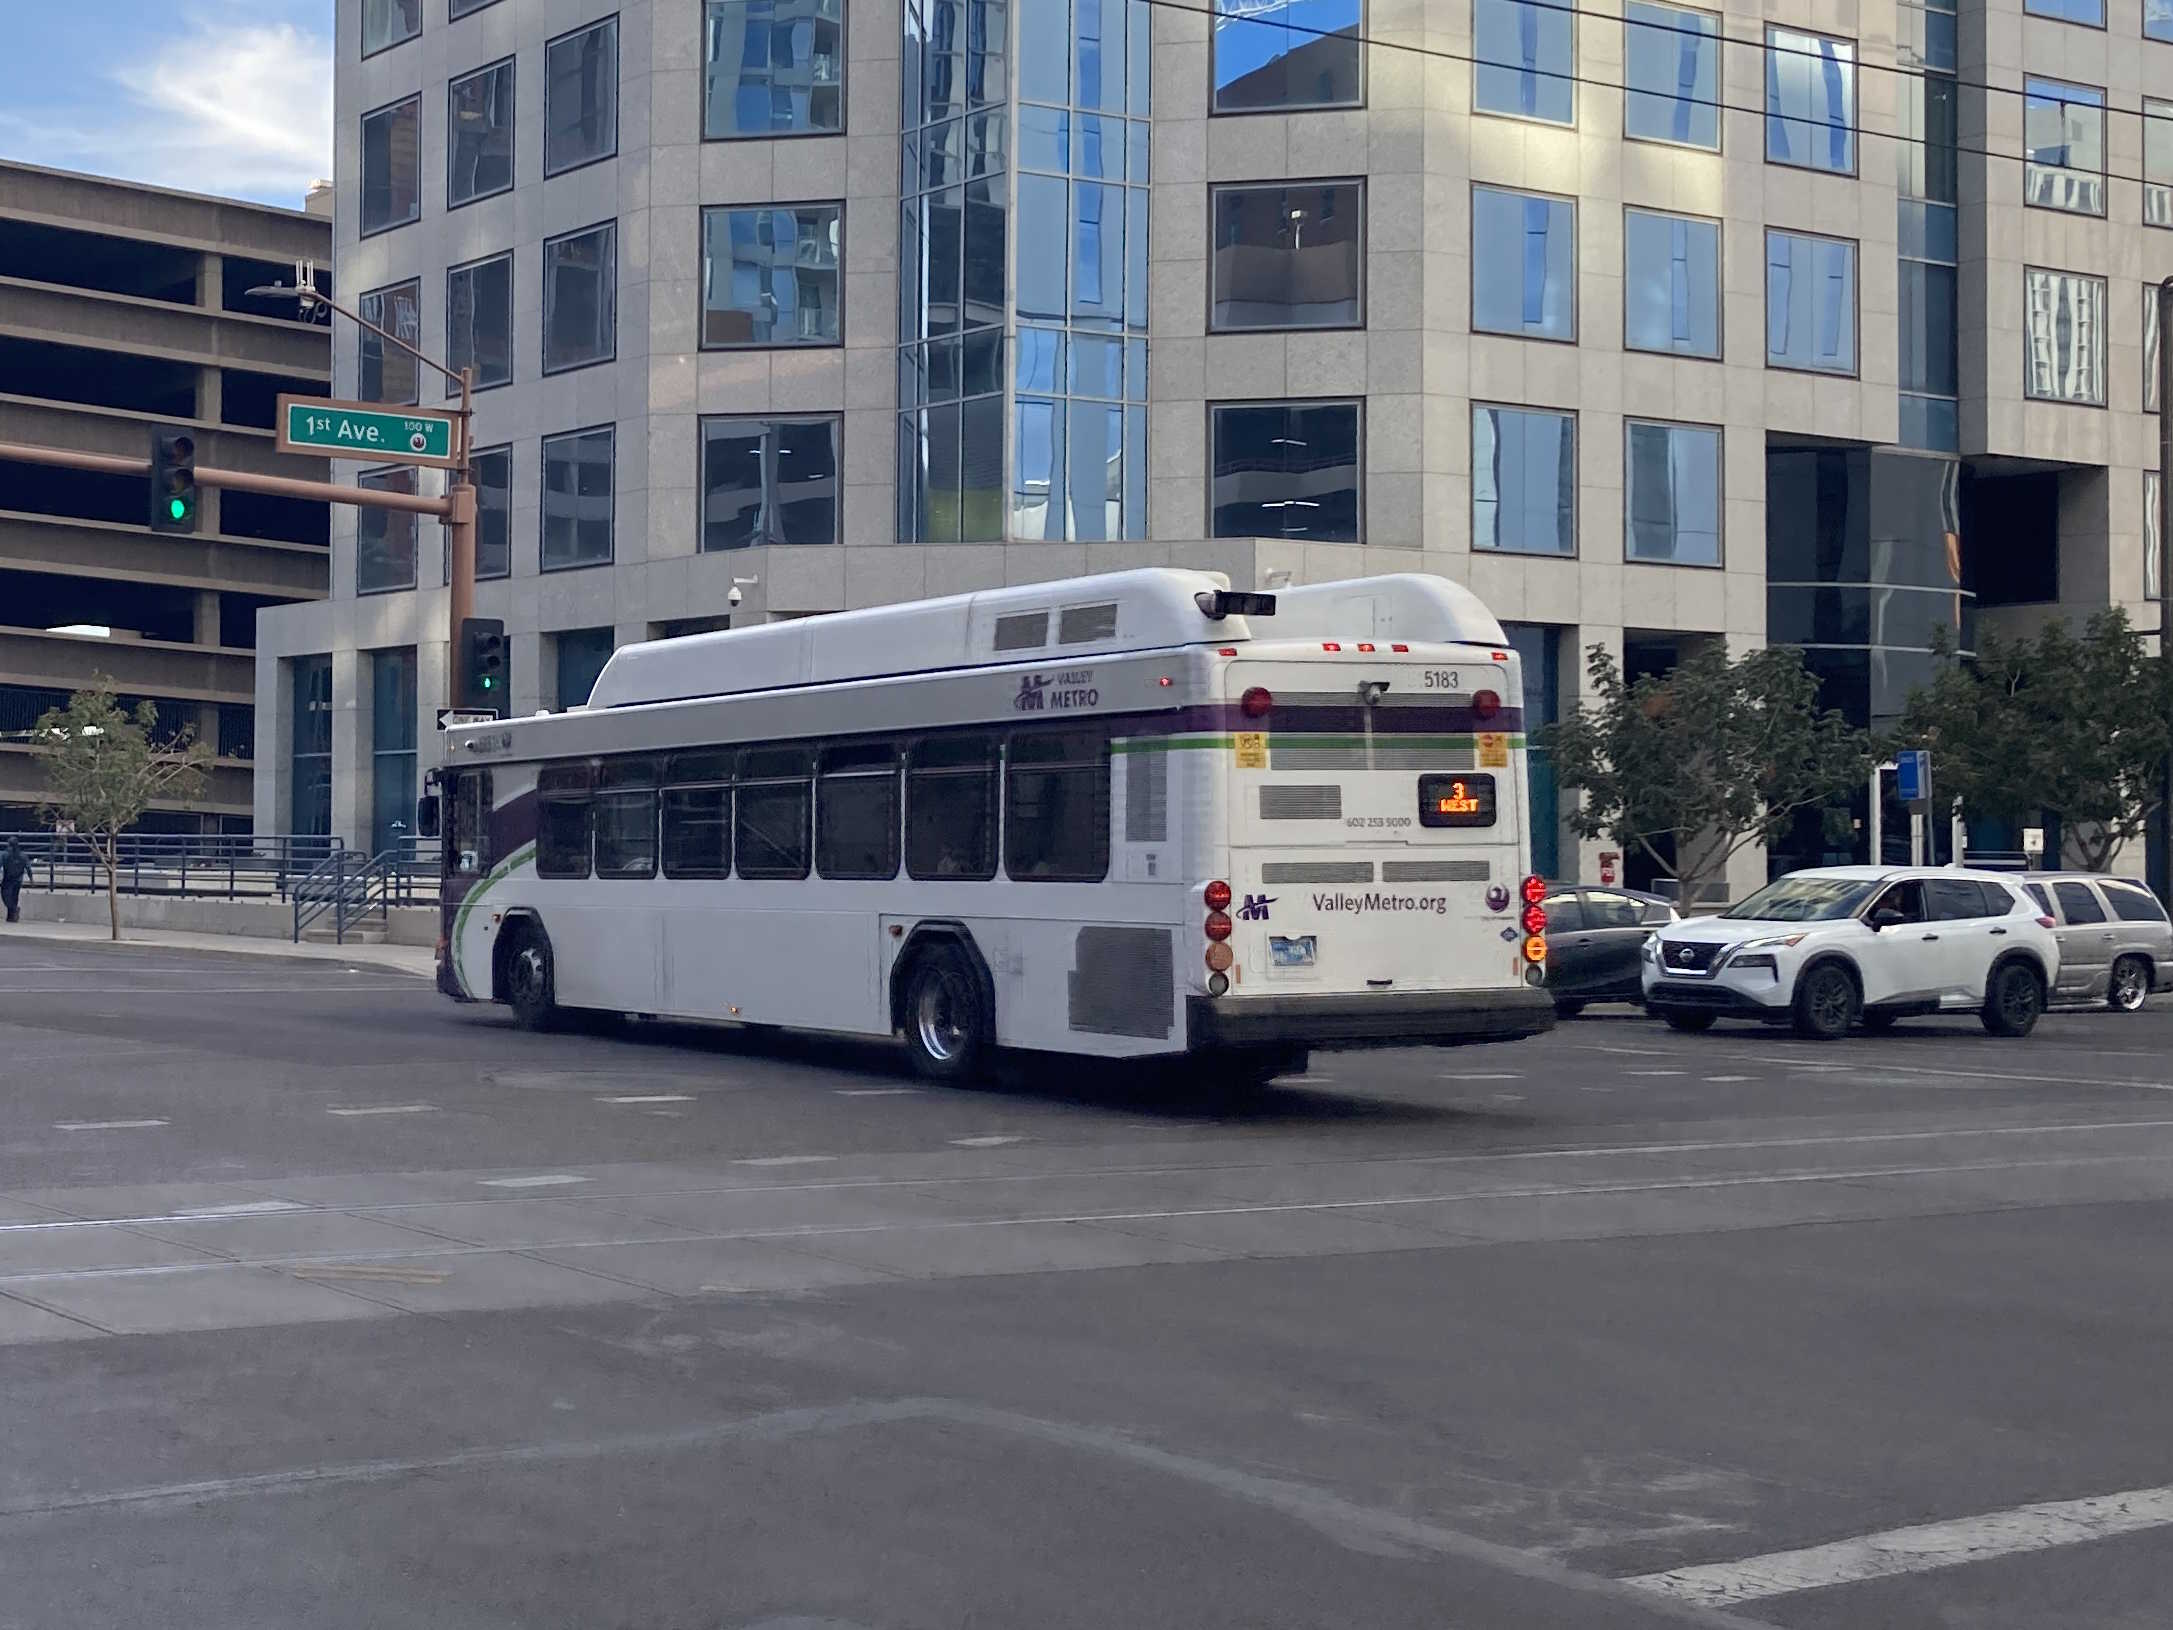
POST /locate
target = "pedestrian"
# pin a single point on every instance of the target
(14, 867)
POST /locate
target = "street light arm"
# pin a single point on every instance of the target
(311, 297)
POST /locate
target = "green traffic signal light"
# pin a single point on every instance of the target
(177, 509)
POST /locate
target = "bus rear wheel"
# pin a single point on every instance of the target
(529, 982)
(946, 1022)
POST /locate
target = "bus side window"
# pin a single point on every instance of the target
(1056, 806)
(625, 817)
(856, 811)
(563, 821)
(465, 822)
(950, 809)
(774, 799)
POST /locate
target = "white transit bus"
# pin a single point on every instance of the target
(1128, 815)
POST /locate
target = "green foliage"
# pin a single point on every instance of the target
(2073, 726)
(104, 768)
(1716, 754)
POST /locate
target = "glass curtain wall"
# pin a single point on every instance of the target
(1926, 156)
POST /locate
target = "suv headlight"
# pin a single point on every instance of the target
(1738, 955)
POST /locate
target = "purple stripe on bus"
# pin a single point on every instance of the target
(1223, 718)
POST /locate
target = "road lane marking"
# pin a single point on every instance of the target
(246, 1208)
(785, 1160)
(543, 1181)
(651, 1098)
(1916, 1550)
(1510, 1075)
(1987, 1077)
(1725, 1080)
(386, 1109)
(993, 1142)
(1652, 1072)
(102, 1126)
(879, 1092)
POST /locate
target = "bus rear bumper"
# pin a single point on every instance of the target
(1416, 1019)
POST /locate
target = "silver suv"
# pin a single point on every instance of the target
(2116, 946)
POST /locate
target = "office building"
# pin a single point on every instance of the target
(124, 308)
(1655, 324)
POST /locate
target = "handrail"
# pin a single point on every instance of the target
(353, 891)
(232, 866)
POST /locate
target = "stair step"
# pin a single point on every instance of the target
(355, 936)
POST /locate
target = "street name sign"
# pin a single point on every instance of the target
(361, 430)
(1913, 776)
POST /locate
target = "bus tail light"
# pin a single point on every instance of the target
(1219, 957)
(1218, 925)
(1535, 920)
(1218, 895)
(1486, 704)
(1535, 949)
(1218, 984)
(1535, 890)
(1256, 702)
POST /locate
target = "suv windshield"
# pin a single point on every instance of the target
(1802, 900)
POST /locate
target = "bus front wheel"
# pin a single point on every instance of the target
(946, 1022)
(529, 982)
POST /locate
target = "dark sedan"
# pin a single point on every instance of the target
(1593, 937)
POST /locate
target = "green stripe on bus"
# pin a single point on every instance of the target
(496, 875)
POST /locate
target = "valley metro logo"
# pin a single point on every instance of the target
(1255, 908)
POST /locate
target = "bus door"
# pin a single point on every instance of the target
(1377, 822)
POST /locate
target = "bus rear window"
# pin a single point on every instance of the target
(1456, 800)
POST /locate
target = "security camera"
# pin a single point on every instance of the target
(734, 598)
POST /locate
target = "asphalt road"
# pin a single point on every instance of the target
(324, 1302)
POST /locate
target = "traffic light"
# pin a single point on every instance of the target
(480, 682)
(173, 481)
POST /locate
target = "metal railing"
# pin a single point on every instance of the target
(356, 893)
(210, 865)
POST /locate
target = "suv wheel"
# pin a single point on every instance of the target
(1826, 1003)
(2130, 987)
(2013, 1000)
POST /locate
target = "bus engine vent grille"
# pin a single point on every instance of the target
(1123, 982)
(1317, 871)
(1022, 631)
(1436, 871)
(1146, 798)
(1075, 625)
(1324, 803)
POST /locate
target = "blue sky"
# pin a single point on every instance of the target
(220, 96)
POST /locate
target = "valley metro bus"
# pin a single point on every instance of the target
(1129, 815)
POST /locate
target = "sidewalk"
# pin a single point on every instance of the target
(413, 959)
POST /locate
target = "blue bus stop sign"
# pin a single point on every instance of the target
(1912, 775)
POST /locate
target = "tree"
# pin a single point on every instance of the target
(2075, 727)
(104, 768)
(1714, 755)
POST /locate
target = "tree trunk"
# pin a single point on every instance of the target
(113, 892)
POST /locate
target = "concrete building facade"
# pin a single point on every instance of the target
(123, 308)
(1655, 324)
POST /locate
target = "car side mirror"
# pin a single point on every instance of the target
(1886, 917)
(426, 817)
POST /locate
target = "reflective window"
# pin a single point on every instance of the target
(1672, 73)
(1526, 56)
(2156, 566)
(2158, 19)
(2063, 133)
(2064, 337)
(856, 812)
(950, 809)
(698, 831)
(770, 276)
(1955, 899)
(2090, 13)
(1288, 256)
(385, 538)
(2131, 902)
(386, 23)
(2157, 160)
(1523, 264)
(1565, 913)
(773, 68)
(1056, 806)
(492, 470)
(577, 469)
(479, 134)
(1671, 481)
(2077, 904)
(1523, 481)
(1670, 284)
(770, 480)
(1606, 909)
(580, 298)
(1810, 100)
(479, 321)
(384, 372)
(310, 763)
(392, 747)
(774, 797)
(580, 655)
(392, 166)
(1286, 470)
(563, 822)
(581, 97)
(457, 9)
(1930, 364)
(624, 812)
(1810, 303)
(1288, 54)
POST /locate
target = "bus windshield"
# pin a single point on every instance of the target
(1803, 900)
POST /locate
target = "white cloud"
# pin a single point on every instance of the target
(232, 108)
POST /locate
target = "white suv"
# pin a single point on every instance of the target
(1824, 950)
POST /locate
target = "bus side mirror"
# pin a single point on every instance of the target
(426, 817)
